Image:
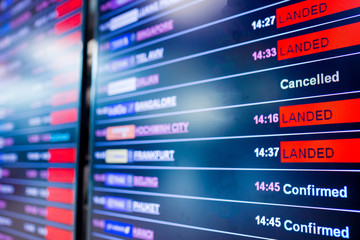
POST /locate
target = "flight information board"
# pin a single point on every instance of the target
(40, 87)
(226, 119)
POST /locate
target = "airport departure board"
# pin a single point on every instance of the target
(226, 119)
(40, 86)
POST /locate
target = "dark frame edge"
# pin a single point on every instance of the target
(82, 134)
(94, 63)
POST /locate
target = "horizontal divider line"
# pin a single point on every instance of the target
(137, 142)
(39, 129)
(37, 165)
(36, 183)
(107, 166)
(142, 193)
(37, 147)
(40, 202)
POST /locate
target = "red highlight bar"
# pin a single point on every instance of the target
(68, 24)
(327, 40)
(308, 10)
(60, 215)
(64, 116)
(62, 155)
(62, 175)
(61, 195)
(57, 234)
(343, 111)
(64, 98)
(321, 151)
(68, 7)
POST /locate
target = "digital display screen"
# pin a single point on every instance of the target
(226, 119)
(40, 87)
